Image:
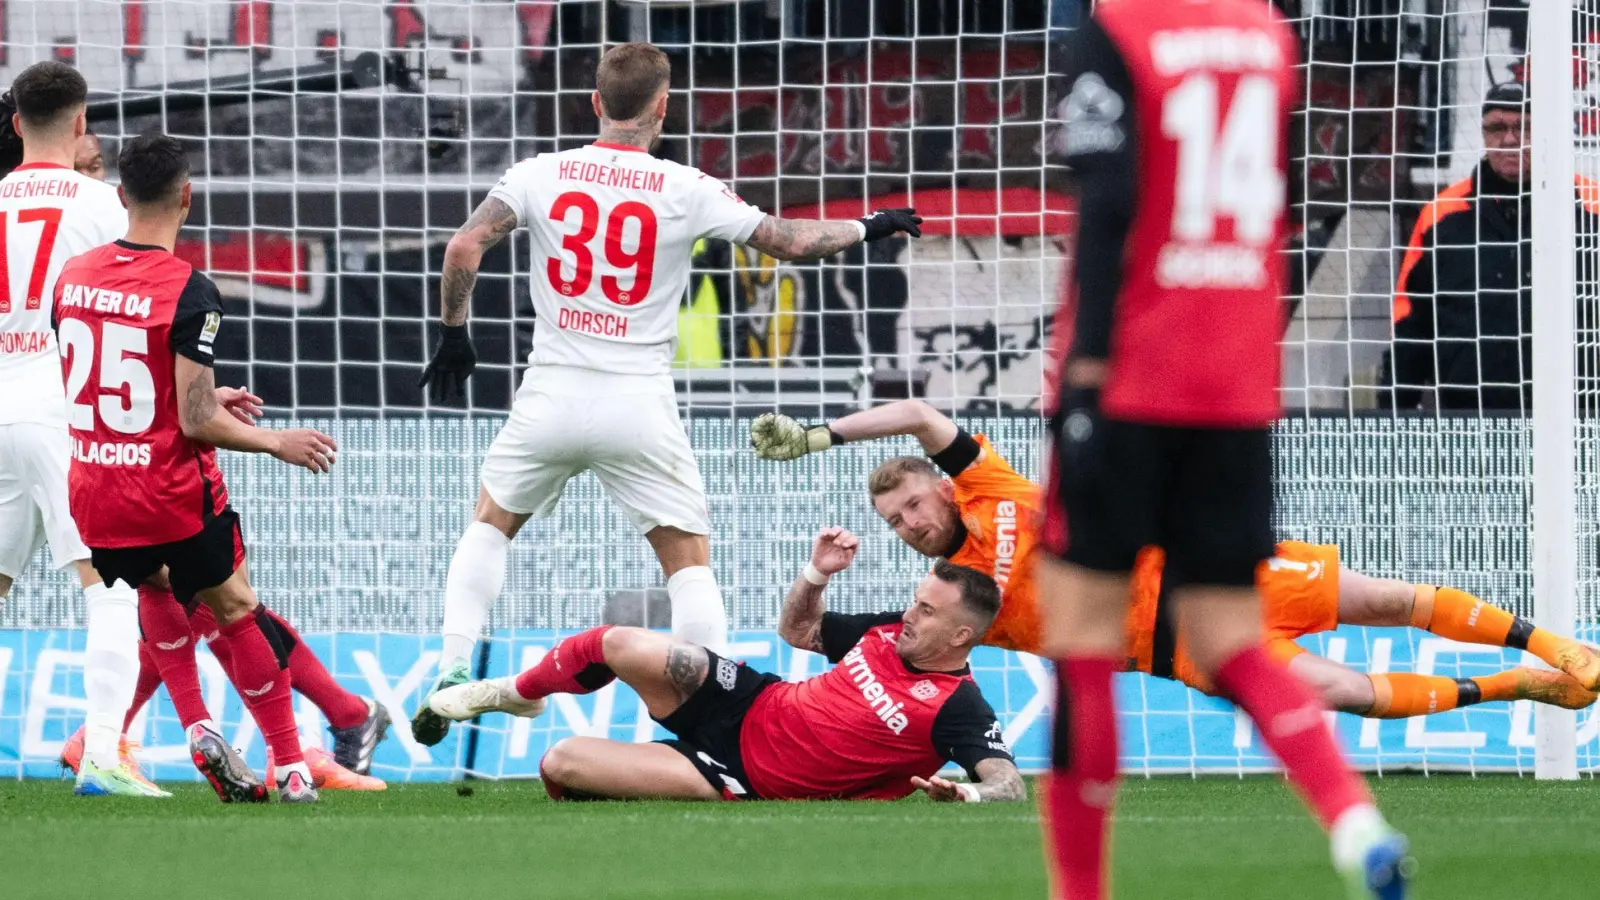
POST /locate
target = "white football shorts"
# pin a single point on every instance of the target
(623, 428)
(33, 497)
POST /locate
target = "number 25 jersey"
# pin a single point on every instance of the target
(124, 313)
(611, 230)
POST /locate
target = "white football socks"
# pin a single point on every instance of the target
(698, 615)
(110, 666)
(477, 573)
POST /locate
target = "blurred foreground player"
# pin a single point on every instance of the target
(1175, 131)
(612, 229)
(965, 503)
(48, 214)
(136, 326)
(900, 704)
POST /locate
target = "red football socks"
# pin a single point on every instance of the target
(1082, 786)
(253, 665)
(170, 646)
(1289, 719)
(575, 666)
(311, 678)
(144, 688)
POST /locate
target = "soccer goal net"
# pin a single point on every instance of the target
(337, 145)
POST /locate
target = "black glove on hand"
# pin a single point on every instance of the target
(452, 364)
(888, 222)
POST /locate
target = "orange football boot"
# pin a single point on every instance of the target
(327, 773)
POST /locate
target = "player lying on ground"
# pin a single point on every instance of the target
(144, 486)
(965, 503)
(612, 229)
(900, 703)
(56, 213)
(357, 723)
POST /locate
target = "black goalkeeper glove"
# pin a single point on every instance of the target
(889, 222)
(452, 364)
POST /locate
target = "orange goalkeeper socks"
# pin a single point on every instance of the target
(1403, 695)
(1459, 616)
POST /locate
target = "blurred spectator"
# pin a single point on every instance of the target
(1463, 302)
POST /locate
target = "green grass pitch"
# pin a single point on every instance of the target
(1483, 839)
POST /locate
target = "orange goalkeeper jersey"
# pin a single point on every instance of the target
(1002, 512)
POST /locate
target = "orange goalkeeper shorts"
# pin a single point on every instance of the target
(1299, 595)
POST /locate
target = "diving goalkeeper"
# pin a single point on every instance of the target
(966, 504)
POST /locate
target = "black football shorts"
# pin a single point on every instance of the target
(203, 560)
(708, 724)
(1202, 494)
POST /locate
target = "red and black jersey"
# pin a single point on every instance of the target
(123, 314)
(1175, 128)
(862, 729)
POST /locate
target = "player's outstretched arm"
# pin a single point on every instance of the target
(204, 417)
(454, 358)
(816, 238)
(777, 436)
(488, 225)
(999, 780)
(800, 620)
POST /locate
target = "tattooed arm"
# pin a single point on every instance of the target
(1000, 780)
(204, 419)
(804, 238)
(800, 620)
(489, 225)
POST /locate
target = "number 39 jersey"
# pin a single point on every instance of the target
(611, 230)
(48, 214)
(124, 313)
(1177, 113)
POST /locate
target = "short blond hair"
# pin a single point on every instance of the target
(629, 78)
(892, 472)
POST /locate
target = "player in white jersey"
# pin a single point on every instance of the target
(611, 229)
(49, 213)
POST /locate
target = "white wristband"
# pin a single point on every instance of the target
(860, 226)
(969, 792)
(814, 575)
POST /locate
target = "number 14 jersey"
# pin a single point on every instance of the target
(611, 230)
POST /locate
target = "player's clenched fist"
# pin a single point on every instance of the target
(776, 436)
(305, 448)
(834, 551)
(887, 222)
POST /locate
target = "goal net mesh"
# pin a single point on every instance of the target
(323, 217)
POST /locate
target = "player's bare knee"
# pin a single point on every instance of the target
(5, 585)
(1351, 694)
(678, 549)
(561, 762)
(230, 601)
(492, 513)
(88, 576)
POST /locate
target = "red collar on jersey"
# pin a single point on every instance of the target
(39, 165)
(608, 145)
